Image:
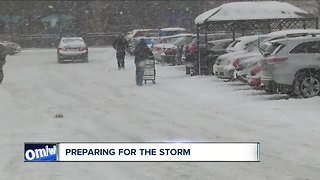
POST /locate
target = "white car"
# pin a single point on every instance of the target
(72, 48)
(292, 66)
(225, 64)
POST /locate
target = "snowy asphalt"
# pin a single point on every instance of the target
(102, 104)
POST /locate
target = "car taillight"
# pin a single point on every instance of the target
(275, 60)
(62, 49)
(236, 62)
(192, 49)
(168, 50)
(255, 70)
(83, 49)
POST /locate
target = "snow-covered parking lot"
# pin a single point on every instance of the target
(102, 104)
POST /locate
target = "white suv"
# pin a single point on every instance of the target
(292, 66)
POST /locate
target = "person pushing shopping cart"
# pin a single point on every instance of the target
(142, 53)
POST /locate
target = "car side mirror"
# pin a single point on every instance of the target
(265, 54)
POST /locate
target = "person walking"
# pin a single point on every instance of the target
(120, 44)
(141, 53)
(3, 55)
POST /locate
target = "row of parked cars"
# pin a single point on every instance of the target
(285, 61)
(151, 36)
(176, 45)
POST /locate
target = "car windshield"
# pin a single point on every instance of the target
(176, 41)
(152, 34)
(187, 40)
(271, 48)
(254, 45)
(234, 43)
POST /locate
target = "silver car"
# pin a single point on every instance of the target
(292, 66)
(72, 48)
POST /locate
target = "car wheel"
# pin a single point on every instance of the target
(1, 76)
(306, 85)
(59, 59)
(85, 59)
(188, 70)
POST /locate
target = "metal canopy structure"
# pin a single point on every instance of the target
(267, 25)
(244, 17)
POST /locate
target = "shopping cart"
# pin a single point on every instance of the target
(150, 70)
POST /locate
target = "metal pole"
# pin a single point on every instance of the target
(206, 37)
(198, 44)
(233, 34)
(11, 29)
(10, 22)
(206, 45)
(233, 31)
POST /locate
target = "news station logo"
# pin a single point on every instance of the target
(40, 152)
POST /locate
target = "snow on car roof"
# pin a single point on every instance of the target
(249, 38)
(220, 41)
(299, 38)
(144, 37)
(252, 10)
(144, 30)
(173, 29)
(293, 31)
(178, 35)
(80, 38)
(241, 42)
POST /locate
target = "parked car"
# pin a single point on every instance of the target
(254, 77)
(292, 66)
(242, 71)
(226, 64)
(168, 47)
(11, 47)
(245, 66)
(72, 48)
(190, 51)
(256, 48)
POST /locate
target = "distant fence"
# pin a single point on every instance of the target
(52, 40)
(38, 41)
(99, 39)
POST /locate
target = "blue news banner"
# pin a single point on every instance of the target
(40, 152)
(144, 151)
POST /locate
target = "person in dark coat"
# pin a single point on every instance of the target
(3, 54)
(120, 44)
(141, 53)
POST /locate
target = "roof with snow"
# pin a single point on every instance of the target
(173, 29)
(252, 11)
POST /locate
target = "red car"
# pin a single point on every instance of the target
(255, 77)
